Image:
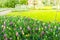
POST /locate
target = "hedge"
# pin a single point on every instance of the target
(24, 28)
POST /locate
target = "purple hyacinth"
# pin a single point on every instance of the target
(28, 28)
(42, 33)
(37, 28)
(17, 34)
(11, 23)
(4, 35)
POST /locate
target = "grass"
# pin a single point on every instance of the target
(45, 15)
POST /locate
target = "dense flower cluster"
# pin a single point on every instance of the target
(22, 28)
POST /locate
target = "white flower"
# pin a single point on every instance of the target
(45, 27)
(58, 28)
(55, 26)
(20, 28)
(22, 32)
(43, 24)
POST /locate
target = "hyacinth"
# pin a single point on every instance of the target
(20, 28)
(45, 27)
(27, 35)
(48, 25)
(37, 28)
(42, 33)
(5, 39)
(43, 24)
(4, 23)
(17, 33)
(51, 30)
(58, 28)
(5, 35)
(22, 32)
(11, 23)
(10, 38)
(3, 27)
(28, 28)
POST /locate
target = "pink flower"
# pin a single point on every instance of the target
(28, 28)
(4, 35)
(42, 33)
(17, 34)
(36, 29)
(11, 23)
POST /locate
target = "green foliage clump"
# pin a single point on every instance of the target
(23, 28)
(11, 3)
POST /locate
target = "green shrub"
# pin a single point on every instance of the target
(23, 28)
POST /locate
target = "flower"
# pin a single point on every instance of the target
(10, 38)
(51, 30)
(27, 35)
(28, 28)
(42, 33)
(4, 23)
(48, 25)
(17, 34)
(22, 32)
(4, 35)
(55, 26)
(36, 28)
(11, 23)
(58, 28)
(43, 24)
(3, 27)
(20, 28)
(45, 27)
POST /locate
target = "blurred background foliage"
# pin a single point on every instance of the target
(11, 3)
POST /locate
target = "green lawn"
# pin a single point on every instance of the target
(45, 15)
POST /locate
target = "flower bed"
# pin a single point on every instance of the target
(22, 28)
